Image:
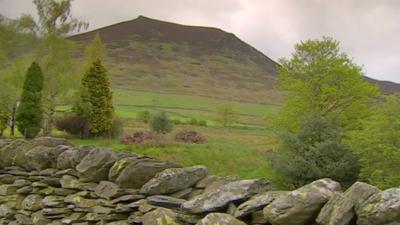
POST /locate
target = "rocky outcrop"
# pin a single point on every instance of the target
(301, 206)
(61, 184)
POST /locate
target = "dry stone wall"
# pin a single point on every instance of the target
(49, 181)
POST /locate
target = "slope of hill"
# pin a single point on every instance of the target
(151, 55)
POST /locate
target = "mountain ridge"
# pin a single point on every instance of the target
(150, 54)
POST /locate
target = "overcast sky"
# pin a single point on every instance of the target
(369, 30)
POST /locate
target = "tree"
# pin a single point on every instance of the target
(17, 38)
(101, 114)
(94, 51)
(321, 80)
(29, 113)
(226, 115)
(160, 123)
(54, 23)
(315, 152)
(378, 145)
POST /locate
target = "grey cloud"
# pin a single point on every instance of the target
(369, 30)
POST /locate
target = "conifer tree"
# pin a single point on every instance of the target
(29, 113)
(97, 84)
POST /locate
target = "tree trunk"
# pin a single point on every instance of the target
(13, 115)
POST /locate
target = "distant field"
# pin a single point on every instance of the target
(186, 107)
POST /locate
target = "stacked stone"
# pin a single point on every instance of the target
(49, 181)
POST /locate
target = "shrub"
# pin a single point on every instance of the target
(315, 152)
(143, 116)
(193, 122)
(176, 121)
(191, 137)
(160, 123)
(202, 123)
(227, 115)
(75, 125)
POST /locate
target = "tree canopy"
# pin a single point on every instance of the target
(378, 145)
(320, 79)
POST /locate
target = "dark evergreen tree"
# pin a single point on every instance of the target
(29, 112)
(316, 151)
(99, 99)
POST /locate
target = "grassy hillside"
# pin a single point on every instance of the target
(151, 55)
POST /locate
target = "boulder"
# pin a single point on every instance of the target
(40, 158)
(140, 171)
(6, 211)
(79, 154)
(220, 197)
(165, 201)
(96, 165)
(22, 147)
(118, 166)
(340, 208)
(106, 189)
(9, 152)
(380, 209)
(64, 160)
(160, 216)
(174, 179)
(220, 219)
(257, 203)
(32, 202)
(301, 206)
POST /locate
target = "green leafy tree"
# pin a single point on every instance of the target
(95, 50)
(29, 113)
(55, 22)
(320, 79)
(227, 115)
(101, 115)
(17, 38)
(315, 152)
(160, 123)
(378, 145)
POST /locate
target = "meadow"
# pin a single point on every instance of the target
(240, 150)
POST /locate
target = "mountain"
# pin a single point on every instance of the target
(151, 55)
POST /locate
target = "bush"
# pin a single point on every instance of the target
(315, 152)
(143, 116)
(202, 123)
(193, 122)
(177, 121)
(75, 125)
(160, 123)
(191, 137)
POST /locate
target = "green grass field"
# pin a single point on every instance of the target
(240, 150)
(229, 151)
